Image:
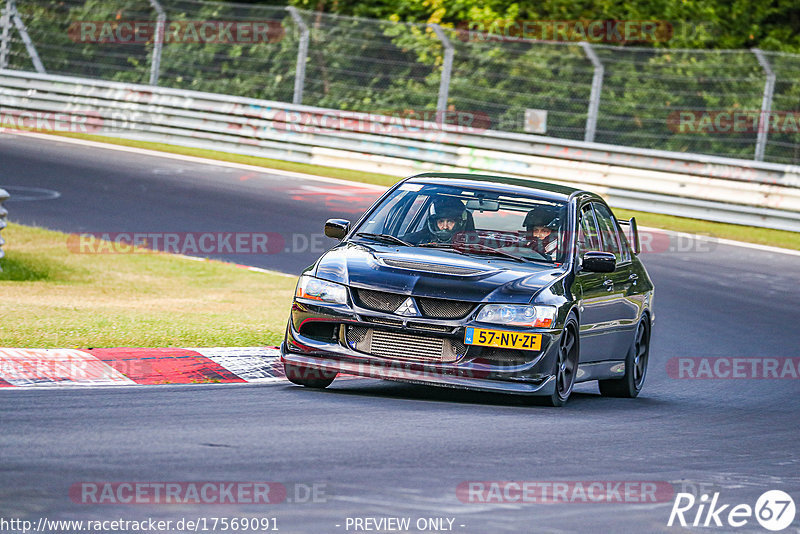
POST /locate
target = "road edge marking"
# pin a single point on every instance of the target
(325, 179)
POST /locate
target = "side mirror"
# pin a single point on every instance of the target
(635, 243)
(599, 262)
(632, 234)
(337, 228)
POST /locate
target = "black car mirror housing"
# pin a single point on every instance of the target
(337, 228)
(632, 234)
(599, 262)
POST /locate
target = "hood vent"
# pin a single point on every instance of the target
(436, 268)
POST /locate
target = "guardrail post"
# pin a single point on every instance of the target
(302, 54)
(3, 197)
(447, 68)
(5, 37)
(594, 96)
(158, 44)
(766, 104)
(23, 33)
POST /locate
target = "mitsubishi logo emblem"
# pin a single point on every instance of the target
(407, 308)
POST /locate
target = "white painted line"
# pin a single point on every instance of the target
(196, 159)
(57, 367)
(355, 184)
(267, 271)
(253, 364)
(248, 267)
(731, 242)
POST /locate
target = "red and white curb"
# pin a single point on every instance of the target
(135, 366)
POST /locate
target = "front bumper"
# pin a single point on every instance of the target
(316, 339)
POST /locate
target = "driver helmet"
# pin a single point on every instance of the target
(446, 208)
(543, 216)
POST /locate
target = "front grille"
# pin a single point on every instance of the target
(411, 324)
(436, 268)
(504, 356)
(429, 307)
(400, 346)
(381, 320)
(378, 300)
(444, 309)
(431, 327)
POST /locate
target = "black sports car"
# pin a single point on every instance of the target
(477, 282)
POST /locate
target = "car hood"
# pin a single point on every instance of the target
(430, 273)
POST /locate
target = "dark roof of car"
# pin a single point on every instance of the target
(513, 185)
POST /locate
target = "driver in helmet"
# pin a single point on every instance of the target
(542, 224)
(446, 217)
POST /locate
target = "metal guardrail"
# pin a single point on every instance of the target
(3, 212)
(689, 185)
(671, 96)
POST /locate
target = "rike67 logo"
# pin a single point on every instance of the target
(774, 510)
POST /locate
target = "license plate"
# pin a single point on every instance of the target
(502, 339)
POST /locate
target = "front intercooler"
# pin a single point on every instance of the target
(401, 346)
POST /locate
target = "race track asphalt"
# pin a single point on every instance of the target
(380, 449)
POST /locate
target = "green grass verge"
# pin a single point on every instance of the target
(763, 236)
(52, 297)
(749, 234)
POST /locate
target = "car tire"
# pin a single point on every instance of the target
(566, 365)
(636, 360)
(307, 376)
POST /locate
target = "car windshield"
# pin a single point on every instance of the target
(470, 221)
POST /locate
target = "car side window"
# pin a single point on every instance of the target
(608, 230)
(587, 231)
(623, 241)
(412, 214)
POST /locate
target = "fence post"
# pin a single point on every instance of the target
(158, 44)
(594, 96)
(5, 37)
(766, 104)
(447, 68)
(302, 54)
(23, 33)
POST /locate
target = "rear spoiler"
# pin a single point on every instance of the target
(632, 234)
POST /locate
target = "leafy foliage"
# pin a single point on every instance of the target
(392, 63)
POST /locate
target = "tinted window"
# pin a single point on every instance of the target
(608, 230)
(623, 241)
(588, 238)
(473, 221)
(414, 214)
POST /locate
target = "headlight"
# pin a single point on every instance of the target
(312, 288)
(510, 314)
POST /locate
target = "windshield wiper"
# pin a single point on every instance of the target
(483, 249)
(489, 250)
(444, 246)
(385, 238)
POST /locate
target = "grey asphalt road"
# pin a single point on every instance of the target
(379, 449)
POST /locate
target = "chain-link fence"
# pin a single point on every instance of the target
(700, 101)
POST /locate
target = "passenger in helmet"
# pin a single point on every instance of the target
(542, 224)
(446, 216)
